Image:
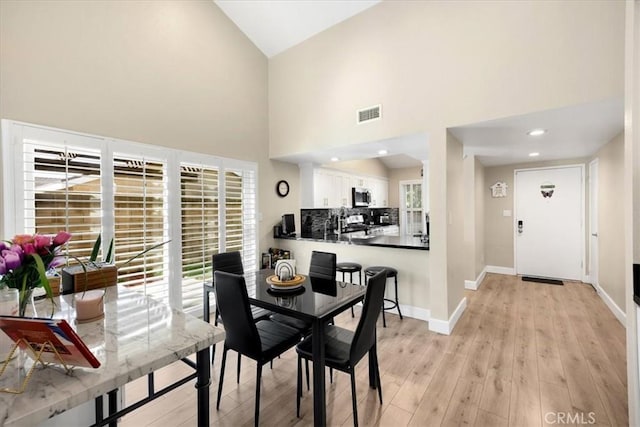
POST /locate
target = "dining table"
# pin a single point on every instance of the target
(317, 301)
(137, 336)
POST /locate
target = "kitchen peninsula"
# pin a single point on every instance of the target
(359, 238)
(407, 254)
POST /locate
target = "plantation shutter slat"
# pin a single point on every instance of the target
(240, 215)
(199, 222)
(140, 204)
(63, 191)
(91, 185)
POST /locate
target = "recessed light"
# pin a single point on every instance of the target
(534, 154)
(382, 152)
(334, 159)
(536, 132)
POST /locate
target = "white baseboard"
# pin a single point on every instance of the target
(475, 284)
(415, 312)
(446, 327)
(409, 311)
(500, 270)
(620, 315)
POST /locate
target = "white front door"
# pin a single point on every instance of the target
(593, 222)
(549, 222)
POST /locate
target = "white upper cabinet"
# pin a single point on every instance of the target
(328, 188)
(379, 188)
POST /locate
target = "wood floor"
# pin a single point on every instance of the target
(523, 354)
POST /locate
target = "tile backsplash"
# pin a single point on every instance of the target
(313, 220)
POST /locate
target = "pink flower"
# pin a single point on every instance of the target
(3, 266)
(3, 246)
(40, 242)
(61, 238)
(12, 260)
(29, 248)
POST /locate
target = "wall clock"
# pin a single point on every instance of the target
(282, 188)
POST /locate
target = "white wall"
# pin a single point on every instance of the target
(438, 64)
(480, 190)
(611, 262)
(402, 174)
(632, 200)
(171, 73)
(474, 197)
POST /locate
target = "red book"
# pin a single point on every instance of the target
(38, 332)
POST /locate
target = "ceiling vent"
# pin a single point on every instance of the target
(369, 114)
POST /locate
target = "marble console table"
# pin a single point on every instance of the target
(137, 336)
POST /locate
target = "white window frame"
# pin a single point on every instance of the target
(12, 222)
(403, 211)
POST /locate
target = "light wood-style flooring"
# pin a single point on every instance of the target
(523, 354)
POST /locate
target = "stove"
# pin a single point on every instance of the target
(355, 223)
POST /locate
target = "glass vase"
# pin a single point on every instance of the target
(8, 306)
(26, 301)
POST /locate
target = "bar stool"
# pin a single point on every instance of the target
(391, 272)
(350, 267)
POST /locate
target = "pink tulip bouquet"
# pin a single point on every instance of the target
(25, 260)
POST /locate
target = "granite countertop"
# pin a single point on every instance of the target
(400, 242)
(136, 336)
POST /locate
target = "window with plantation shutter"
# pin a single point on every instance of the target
(240, 215)
(140, 213)
(62, 191)
(200, 232)
(139, 194)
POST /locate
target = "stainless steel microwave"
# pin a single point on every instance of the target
(361, 197)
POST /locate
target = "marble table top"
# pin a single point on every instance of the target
(138, 335)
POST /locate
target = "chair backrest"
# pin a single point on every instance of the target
(323, 265)
(230, 262)
(233, 304)
(365, 335)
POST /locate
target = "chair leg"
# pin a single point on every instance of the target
(397, 303)
(213, 347)
(353, 397)
(220, 380)
(299, 386)
(351, 281)
(384, 320)
(306, 367)
(378, 382)
(258, 380)
(239, 366)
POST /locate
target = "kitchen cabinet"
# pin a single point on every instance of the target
(379, 188)
(324, 188)
(331, 189)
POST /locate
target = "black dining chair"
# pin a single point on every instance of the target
(344, 348)
(231, 262)
(322, 266)
(261, 341)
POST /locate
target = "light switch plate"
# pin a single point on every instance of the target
(506, 212)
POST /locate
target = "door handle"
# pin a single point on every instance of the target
(594, 234)
(520, 226)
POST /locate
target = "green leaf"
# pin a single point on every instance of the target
(96, 249)
(144, 252)
(109, 258)
(44, 281)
